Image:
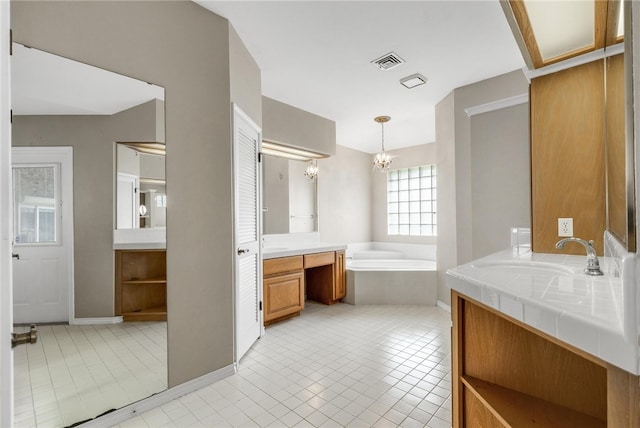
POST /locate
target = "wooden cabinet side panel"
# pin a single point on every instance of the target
(457, 356)
(500, 352)
(623, 398)
(283, 295)
(341, 277)
(567, 156)
(117, 304)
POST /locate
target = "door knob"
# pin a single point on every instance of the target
(15, 256)
(242, 250)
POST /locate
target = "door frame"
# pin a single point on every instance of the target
(6, 274)
(62, 155)
(236, 111)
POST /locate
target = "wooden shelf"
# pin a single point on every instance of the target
(145, 281)
(141, 285)
(515, 409)
(158, 313)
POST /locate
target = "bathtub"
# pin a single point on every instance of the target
(390, 281)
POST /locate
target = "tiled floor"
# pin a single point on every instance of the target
(73, 373)
(334, 366)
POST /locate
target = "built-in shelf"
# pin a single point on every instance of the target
(141, 285)
(145, 281)
(515, 409)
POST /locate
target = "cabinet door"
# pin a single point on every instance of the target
(340, 284)
(283, 295)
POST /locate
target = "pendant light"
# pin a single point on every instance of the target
(312, 171)
(382, 161)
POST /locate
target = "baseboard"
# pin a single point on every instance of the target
(101, 320)
(118, 416)
(444, 306)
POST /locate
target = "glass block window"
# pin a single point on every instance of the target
(411, 201)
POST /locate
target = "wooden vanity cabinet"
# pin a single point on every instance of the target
(508, 374)
(141, 285)
(325, 276)
(283, 288)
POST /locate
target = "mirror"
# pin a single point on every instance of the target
(619, 144)
(289, 199)
(141, 196)
(79, 370)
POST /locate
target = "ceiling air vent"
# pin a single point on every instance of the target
(388, 61)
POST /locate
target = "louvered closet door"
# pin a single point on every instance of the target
(246, 146)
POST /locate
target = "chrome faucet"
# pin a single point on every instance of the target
(593, 265)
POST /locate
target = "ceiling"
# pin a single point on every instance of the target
(316, 55)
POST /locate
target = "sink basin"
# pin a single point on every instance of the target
(526, 267)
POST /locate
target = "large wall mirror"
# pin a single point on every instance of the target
(289, 197)
(83, 366)
(619, 128)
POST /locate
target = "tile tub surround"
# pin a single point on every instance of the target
(377, 277)
(580, 310)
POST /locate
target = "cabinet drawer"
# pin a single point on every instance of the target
(281, 265)
(283, 295)
(319, 259)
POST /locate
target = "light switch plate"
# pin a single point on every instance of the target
(565, 227)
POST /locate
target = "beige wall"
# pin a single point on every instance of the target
(455, 165)
(289, 125)
(500, 177)
(185, 49)
(424, 154)
(446, 251)
(344, 196)
(92, 139)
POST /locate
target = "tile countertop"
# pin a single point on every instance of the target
(551, 293)
(299, 248)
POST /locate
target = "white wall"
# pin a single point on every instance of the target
(344, 196)
(424, 154)
(500, 177)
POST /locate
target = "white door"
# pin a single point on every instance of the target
(127, 202)
(248, 265)
(6, 299)
(42, 233)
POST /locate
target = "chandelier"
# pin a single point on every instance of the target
(312, 171)
(382, 161)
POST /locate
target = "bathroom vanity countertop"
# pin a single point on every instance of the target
(551, 293)
(299, 249)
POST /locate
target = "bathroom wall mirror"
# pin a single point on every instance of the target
(289, 199)
(77, 372)
(141, 197)
(619, 129)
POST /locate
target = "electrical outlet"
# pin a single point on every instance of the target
(565, 227)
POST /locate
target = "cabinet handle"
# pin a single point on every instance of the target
(242, 250)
